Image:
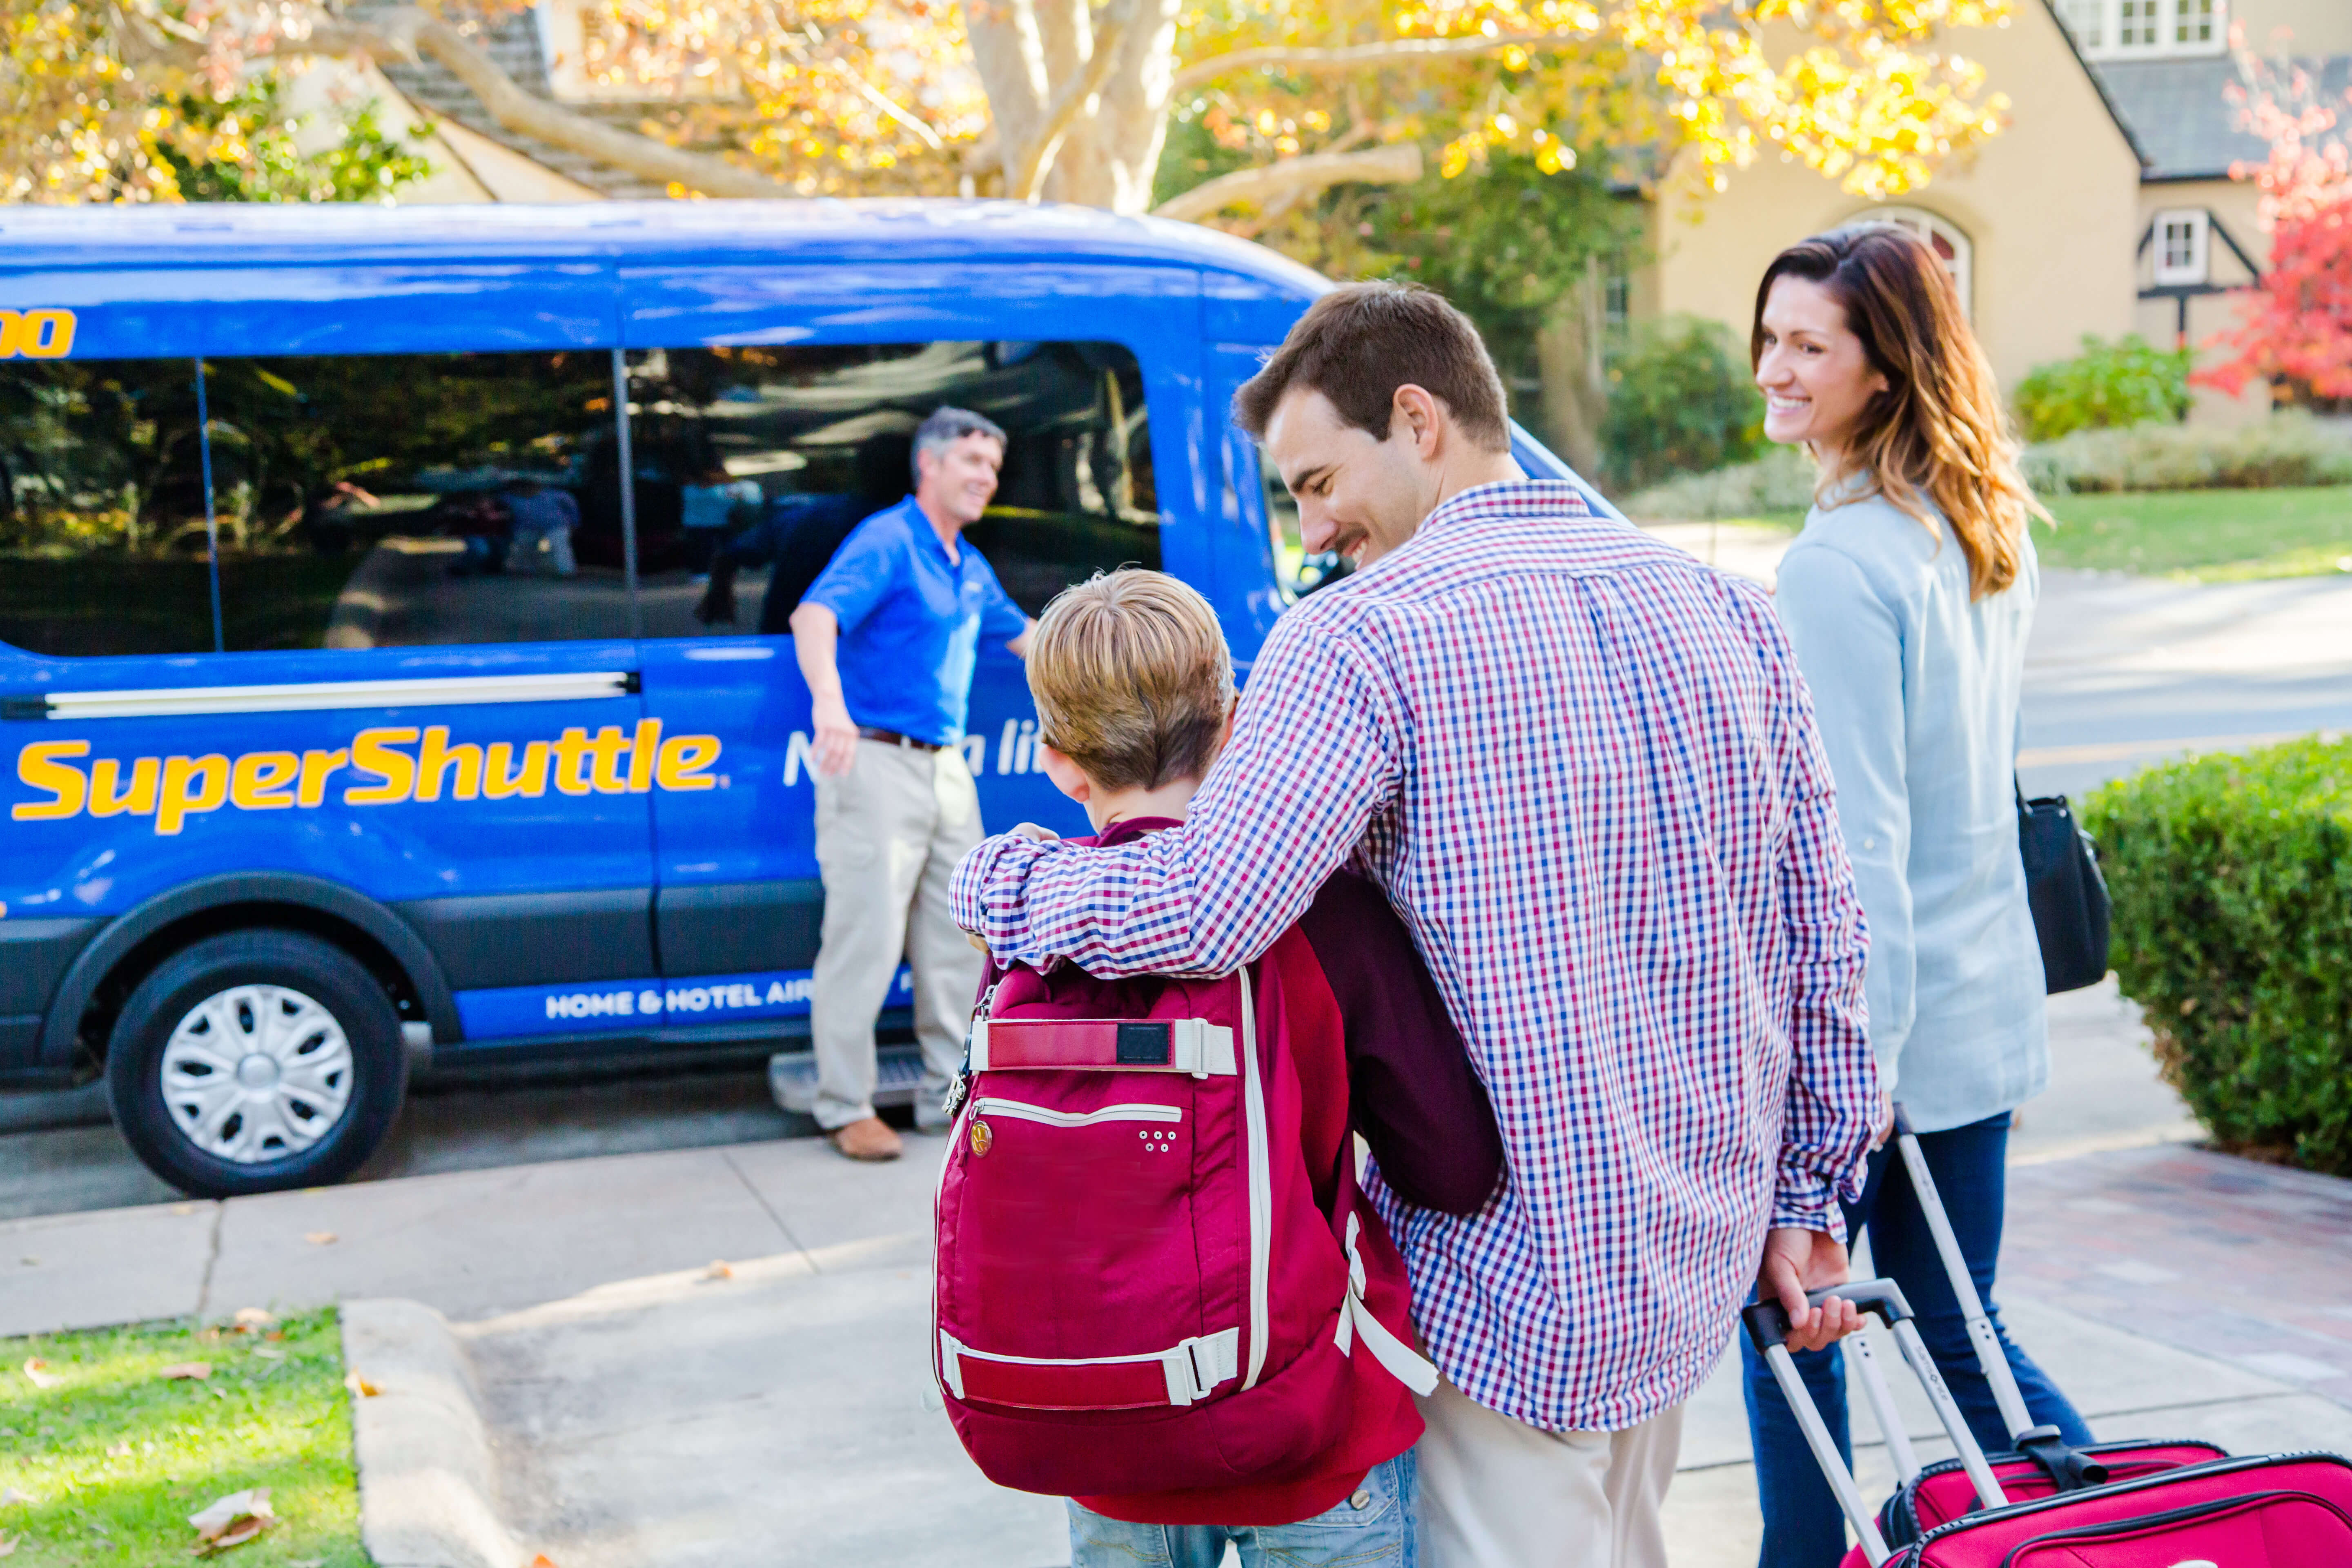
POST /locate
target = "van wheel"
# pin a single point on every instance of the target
(255, 1061)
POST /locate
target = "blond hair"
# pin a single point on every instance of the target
(1131, 679)
(1939, 436)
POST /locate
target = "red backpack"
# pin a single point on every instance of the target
(1140, 1286)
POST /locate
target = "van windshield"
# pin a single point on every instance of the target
(393, 500)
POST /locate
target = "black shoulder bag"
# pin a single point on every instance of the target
(2068, 896)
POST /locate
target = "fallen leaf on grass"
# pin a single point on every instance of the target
(250, 1320)
(267, 1353)
(320, 1238)
(541, 1561)
(233, 1520)
(719, 1269)
(308, 1562)
(38, 1371)
(118, 1451)
(361, 1388)
(181, 1369)
(11, 1495)
(8, 1544)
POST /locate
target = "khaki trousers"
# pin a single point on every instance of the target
(1496, 1493)
(888, 835)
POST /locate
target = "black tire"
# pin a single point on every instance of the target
(332, 996)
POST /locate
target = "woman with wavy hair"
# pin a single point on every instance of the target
(1908, 598)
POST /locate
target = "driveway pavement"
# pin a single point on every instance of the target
(718, 1356)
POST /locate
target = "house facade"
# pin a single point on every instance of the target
(2104, 208)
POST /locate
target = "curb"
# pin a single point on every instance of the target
(427, 1482)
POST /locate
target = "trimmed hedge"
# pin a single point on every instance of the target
(2233, 883)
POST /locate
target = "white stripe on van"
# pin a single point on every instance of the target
(296, 696)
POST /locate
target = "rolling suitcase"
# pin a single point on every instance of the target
(2269, 1510)
(2037, 1463)
(2140, 1504)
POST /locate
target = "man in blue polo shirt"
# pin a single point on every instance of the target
(886, 637)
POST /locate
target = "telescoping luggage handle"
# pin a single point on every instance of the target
(2068, 1470)
(1768, 1327)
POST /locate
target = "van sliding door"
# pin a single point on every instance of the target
(774, 409)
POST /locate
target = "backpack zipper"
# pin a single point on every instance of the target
(1021, 1110)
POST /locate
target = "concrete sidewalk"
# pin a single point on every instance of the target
(648, 1407)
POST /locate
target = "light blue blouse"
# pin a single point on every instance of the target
(1917, 692)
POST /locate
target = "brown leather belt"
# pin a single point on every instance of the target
(892, 738)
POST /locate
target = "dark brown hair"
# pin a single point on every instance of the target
(1939, 436)
(1359, 344)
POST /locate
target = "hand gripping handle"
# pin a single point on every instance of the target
(1767, 1326)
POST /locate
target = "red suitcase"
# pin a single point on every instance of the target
(2273, 1511)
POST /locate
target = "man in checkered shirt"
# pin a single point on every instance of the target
(1585, 770)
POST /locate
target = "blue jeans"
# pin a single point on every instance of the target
(1802, 1528)
(1377, 1534)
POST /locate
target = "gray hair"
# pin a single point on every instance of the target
(944, 428)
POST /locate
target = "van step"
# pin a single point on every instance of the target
(898, 1078)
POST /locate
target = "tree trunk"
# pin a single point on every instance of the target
(1575, 383)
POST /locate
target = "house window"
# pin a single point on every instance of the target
(2182, 238)
(2106, 29)
(1950, 245)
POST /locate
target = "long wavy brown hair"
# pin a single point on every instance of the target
(1937, 440)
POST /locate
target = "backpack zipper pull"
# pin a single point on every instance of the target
(960, 1090)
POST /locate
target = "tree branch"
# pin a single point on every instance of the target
(1399, 163)
(1399, 51)
(1038, 160)
(407, 33)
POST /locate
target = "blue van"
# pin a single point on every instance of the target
(391, 610)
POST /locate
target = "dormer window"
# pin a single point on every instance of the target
(2125, 29)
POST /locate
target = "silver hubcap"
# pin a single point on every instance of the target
(257, 1073)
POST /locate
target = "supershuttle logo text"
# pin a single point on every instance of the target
(384, 767)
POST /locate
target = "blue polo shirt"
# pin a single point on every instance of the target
(911, 623)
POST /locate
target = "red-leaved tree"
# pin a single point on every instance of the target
(2295, 325)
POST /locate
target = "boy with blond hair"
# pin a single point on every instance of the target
(1134, 690)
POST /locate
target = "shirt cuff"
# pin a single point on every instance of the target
(1803, 1201)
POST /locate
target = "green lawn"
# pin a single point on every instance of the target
(104, 1464)
(2213, 536)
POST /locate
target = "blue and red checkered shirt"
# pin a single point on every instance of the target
(1585, 769)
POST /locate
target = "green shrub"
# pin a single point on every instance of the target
(2287, 449)
(1782, 480)
(1681, 401)
(2232, 881)
(2105, 386)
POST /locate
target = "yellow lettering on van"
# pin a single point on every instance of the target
(500, 780)
(139, 799)
(39, 766)
(642, 752)
(376, 752)
(572, 749)
(682, 761)
(37, 334)
(258, 781)
(437, 756)
(191, 785)
(316, 768)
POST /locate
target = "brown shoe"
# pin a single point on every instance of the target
(870, 1140)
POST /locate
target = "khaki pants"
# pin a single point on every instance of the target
(888, 835)
(1496, 1493)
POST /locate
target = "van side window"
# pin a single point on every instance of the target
(754, 463)
(391, 500)
(102, 509)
